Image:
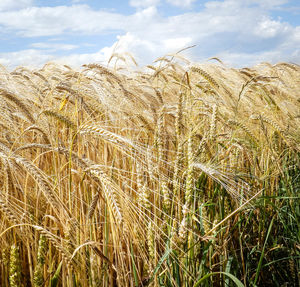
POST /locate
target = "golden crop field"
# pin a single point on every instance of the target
(177, 174)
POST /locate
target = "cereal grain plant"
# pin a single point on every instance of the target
(175, 174)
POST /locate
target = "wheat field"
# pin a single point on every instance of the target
(175, 174)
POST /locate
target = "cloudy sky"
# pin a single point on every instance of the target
(239, 32)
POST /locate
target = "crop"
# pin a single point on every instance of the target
(177, 174)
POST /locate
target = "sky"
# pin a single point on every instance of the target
(75, 32)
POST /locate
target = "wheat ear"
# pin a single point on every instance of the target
(13, 98)
(205, 75)
(14, 267)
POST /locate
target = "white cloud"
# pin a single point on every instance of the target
(47, 21)
(247, 59)
(236, 31)
(181, 3)
(267, 28)
(172, 44)
(14, 4)
(227, 28)
(143, 3)
(141, 48)
(265, 3)
(101, 56)
(37, 58)
(30, 57)
(53, 46)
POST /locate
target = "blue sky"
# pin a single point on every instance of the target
(75, 32)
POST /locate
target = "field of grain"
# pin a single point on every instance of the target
(177, 174)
